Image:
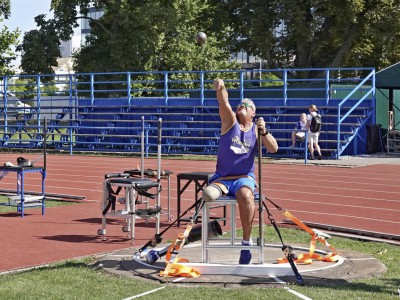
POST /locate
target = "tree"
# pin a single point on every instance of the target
(7, 40)
(313, 33)
(24, 88)
(40, 48)
(132, 35)
(142, 35)
(151, 35)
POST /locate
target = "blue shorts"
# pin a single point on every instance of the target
(235, 184)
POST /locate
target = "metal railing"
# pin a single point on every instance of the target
(102, 111)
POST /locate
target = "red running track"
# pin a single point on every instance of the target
(364, 198)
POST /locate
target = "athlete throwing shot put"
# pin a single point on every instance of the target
(234, 175)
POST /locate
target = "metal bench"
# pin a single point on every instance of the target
(233, 242)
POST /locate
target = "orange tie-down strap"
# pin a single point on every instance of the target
(307, 258)
(174, 268)
(179, 270)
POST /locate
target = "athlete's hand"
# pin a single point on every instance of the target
(261, 125)
(219, 84)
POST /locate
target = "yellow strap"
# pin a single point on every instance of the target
(325, 242)
(306, 258)
(173, 268)
(309, 257)
(179, 270)
(298, 222)
(314, 237)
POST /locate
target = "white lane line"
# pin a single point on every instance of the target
(379, 192)
(345, 216)
(179, 279)
(301, 296)
(332, 181)
(319, 194)
(335, 215)
(336, 195)
(344, 205)
(332, 174)
(145, 293)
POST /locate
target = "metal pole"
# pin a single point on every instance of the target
(260, 200)
(44, 163)
(44, 144)
(159, 172)
(142, 151)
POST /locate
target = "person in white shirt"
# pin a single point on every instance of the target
(313, 136)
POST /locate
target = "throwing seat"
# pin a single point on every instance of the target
(131, 187)
(150, 173)
(233, 242)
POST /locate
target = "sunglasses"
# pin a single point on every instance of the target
(245, 104)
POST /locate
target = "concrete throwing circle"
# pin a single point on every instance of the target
(223, 268)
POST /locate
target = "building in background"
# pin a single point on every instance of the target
(94, 13)
(65, 63)
(69, 47)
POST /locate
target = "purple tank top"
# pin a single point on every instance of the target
(237, 150)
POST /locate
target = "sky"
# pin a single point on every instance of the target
(23, 13)
(22, 16)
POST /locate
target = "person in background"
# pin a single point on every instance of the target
(313, 136)
(234, 175)
(299, 135)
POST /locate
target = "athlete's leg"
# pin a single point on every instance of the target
(245, 199)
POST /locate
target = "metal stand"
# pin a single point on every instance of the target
(129, 211)
(21, 199)
(200, 180)
(233, 242)
(150, 173)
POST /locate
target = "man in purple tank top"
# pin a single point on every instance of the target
(234, 175)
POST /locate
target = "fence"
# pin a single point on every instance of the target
(103, 111)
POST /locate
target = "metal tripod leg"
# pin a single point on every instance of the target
(102, 231)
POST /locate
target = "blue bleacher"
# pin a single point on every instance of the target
(111, 119)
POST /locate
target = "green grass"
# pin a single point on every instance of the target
(381, 287)
(49, 203)
(27, 136)
(78, 280)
